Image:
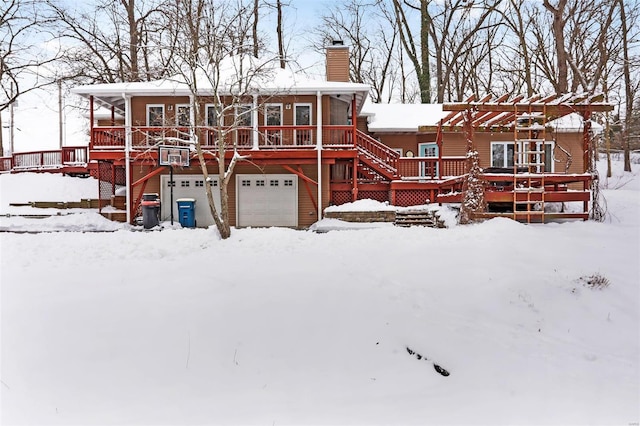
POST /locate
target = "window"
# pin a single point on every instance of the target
(246, 182)
(183, 115)
(199, 184)
(273, 183)
(184, 183)
(502, 155)
(171, 183)
(260, 182)
(214, 115)
(302, 117)
(155, 115)
(288, 182)
(244, 115)
(273, 115)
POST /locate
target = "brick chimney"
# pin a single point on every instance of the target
(337, 61)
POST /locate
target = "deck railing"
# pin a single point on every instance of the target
(42, 160)
(431, 167)
(268, 137)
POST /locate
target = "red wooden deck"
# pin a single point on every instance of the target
(72, 160)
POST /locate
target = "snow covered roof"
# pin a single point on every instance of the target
(573, 123)
(401, 117)
(409, 117)
(266, 80)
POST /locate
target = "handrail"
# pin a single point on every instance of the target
(379, 151)
(268, 137)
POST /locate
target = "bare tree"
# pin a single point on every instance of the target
(454, 28)
(21, 34)
(631, 89)
(209, 57)
(112, 41)
(417, 49)
(561, 84)
(372, 42)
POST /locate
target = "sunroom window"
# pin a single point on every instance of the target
(502, 154)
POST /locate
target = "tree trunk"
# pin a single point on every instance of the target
(562, 84)
(255, 28)
(280, 36)
(133, 39)
(628, 91)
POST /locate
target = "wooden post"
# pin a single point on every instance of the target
(354, 122)
(354, 178)
(91, 121)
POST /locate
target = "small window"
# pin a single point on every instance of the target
(260, 182)
(273, 183)
(199, 183)
(246, 182)
(184, 183)
(288, 182)
(171, 183)
(214, 182)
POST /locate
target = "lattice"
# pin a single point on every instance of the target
(340, 197)
(381, 196)
(412, 197)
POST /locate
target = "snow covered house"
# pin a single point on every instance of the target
(310, 144)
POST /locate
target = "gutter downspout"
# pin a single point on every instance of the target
(127, 154)
(319, 122)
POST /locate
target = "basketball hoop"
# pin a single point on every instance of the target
(174, 156)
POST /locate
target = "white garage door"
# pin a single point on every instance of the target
(188, 186)
(267, 200)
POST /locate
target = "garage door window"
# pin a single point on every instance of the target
(246, 182)
(259, 183)
(273, 183)
(288, 182)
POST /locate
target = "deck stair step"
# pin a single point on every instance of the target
(407, 218)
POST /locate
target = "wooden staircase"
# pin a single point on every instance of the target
(376, 157)
(418, 217)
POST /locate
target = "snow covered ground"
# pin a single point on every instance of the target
(276, 326)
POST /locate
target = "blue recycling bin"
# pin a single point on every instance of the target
(187, 212)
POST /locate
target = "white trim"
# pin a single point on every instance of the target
(254, 122)
(127, 154)
(318, 147)
(295, 119)
(398, 150)
(266, 107)
(295, 116)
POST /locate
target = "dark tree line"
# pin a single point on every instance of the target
(407, 50)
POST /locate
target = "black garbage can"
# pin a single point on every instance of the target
(150, 210)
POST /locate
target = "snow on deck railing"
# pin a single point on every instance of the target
(45, 160)
(431, 167)
(269, 137)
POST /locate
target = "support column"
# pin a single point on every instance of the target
(319, 149)
(127, 156)
(91, 118)
(254, 122)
